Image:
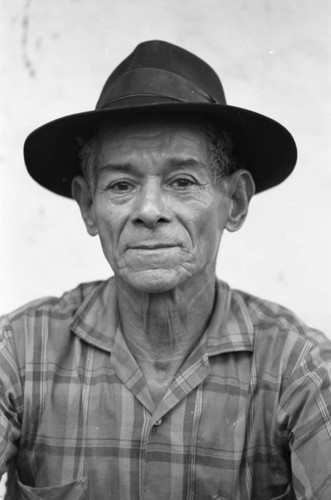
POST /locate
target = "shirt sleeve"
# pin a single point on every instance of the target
(305, 411)
(11, 400)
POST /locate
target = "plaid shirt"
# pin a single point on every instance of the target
(246, 417)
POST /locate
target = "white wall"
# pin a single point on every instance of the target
(273, 57)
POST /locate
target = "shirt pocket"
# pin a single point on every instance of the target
(288, 495)
(76, 490)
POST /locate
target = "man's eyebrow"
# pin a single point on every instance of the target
(116, 167)
(186, 162)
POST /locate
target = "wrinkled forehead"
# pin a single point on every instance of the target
(151, 140)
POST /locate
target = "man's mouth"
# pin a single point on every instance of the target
(152, 246)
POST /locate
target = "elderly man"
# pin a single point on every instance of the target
(162, 382)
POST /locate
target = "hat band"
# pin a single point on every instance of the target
(151, 82)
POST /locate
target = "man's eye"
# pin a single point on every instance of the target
(121, 186)
(182, 182)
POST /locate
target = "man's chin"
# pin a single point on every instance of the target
(153, 280)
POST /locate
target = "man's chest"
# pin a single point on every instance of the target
(207, 436)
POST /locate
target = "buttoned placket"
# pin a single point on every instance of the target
(189, 377)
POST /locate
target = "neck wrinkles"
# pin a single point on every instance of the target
(167, 326)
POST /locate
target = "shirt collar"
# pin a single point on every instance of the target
(230, 328)
(96, 319)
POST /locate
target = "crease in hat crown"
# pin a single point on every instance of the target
(161, 78)
(162, 70)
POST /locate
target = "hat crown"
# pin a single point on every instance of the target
(161, 71)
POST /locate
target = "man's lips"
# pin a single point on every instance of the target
(152, 246)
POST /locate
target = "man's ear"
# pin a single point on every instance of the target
(241, 190)
(81, 192)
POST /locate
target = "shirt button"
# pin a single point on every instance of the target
(158, 422)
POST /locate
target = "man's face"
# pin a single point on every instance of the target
(159, 215)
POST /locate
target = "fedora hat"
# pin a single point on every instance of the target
(159, 77)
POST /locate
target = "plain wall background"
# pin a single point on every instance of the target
(273, 56)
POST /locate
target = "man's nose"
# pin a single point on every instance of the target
(151, 207)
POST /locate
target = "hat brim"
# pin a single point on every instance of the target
(262, 145)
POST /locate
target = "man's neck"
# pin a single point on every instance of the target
(162, 329)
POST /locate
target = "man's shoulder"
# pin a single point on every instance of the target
(46, 324)
(62, 306)
(268, 317)
(281, 341)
